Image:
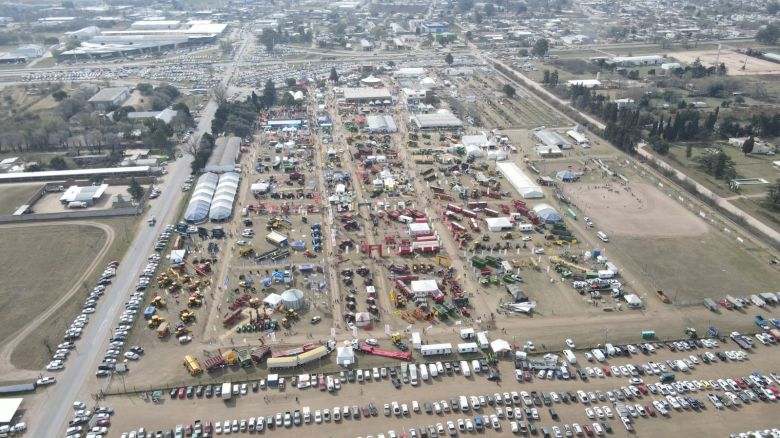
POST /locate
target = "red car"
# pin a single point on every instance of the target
(527, 376)
(607, 371)
(182, 392)
(642, 389)
(650, 410)
(104, 422)
(207, 427)
(741, 383)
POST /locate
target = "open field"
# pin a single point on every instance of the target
(50, 246)
(734, 62)
(637, 210)
(12, 196)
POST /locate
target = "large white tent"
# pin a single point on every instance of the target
(520, 181)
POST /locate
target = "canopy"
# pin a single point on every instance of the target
(273, 300)
(500, 346)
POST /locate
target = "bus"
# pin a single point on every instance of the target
(192, 365)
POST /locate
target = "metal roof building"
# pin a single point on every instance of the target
(224, 197)
(365, 94)
(440, 120)
(551, 138)
(88, 194)
(198, 208)
(64, 175)
(225, 155)
(8, 408)
(381, 123)
(520, 181)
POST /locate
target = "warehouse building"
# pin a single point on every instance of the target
(524, 185)
(443, 120)
(365, 95)
(551, 138)
(635, 61)
(109, 97)
(89, 195)
(64, 175)
(225, 156)
(578, 137)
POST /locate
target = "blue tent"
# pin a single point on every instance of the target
(566, 176)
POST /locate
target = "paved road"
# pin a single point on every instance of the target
(77, 381)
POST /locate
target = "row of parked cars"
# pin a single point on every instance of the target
(76, 328)
(79, 425)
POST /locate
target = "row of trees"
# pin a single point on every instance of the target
(550, 78)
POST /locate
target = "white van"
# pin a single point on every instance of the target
(475, 365)
(306, 414)
(464, 404)
(413, 374)
(603, 236)
(598, 354)
(424, 372)
(682, 366)
(464, 366)
(433, 370)
(569, 355)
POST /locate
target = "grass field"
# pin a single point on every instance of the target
(13, 196)
(65, 251)
(693, 268)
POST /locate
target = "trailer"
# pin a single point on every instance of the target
(436, 349)
(768, 297)
(227, 390)
(454, 208)
(457, 227)
(491, 212)
(755, 299)
(711, 304)
(473, 224)
(365, 348)
(215, 363)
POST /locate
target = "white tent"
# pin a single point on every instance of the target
(500, 346)
(424, 287)
(273, 300)
(498, 223)
(345, 356)
(633, 300)
(418, 228)
(520, 181)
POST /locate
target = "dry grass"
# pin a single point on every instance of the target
(65, 252)
(13, 196)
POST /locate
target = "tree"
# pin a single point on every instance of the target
(769, 34)
(220, 93)
(688, 151)
(334, 75)
(59, 95)
(290, 82)
(145, 89)
(465, 5)
(541, 46)
(268, 39)
(269, 94)
(773, 195)
(509, 91)
(747, 145)
(135, 189)
(50, 41)
(546, 79)
(554, 78)
(58, 163)
(772, 8)
(490, 10)
(448, 59)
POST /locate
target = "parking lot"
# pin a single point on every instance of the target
(437, 392)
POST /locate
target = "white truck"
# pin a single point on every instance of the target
(598, 355)
(227, 390)
(569, 355)
(413, 374)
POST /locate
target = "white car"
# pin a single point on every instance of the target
(570, 344)
(45, 381)
(526, 238)
(55, 365)
(132, 356)
(372, 342)
(242, 243)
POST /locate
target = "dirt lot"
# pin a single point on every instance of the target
(67, 252)
(634, 210)
(733, 60)
(12, 196)
(50, 203)
(268, 402)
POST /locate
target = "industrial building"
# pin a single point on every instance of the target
(587, 83)
(635, 61)
(381, 124)
(444, 120)
(551, 138)
(524, 185)
(109, 98)
(198, 209)
(65, 175)
(365, 95)
(434, 27)
(578, 137)
(224, 197)
(165, 115)
(225, 155)
(87, 194)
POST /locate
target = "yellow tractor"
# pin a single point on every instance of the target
(285, 323)
(158, 302)
(181, 331)
(194, 301)
(396, 337)
(155, 321)
(186, 315)
(507, 236)
(246, 251)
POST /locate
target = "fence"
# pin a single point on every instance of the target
(71, 215)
